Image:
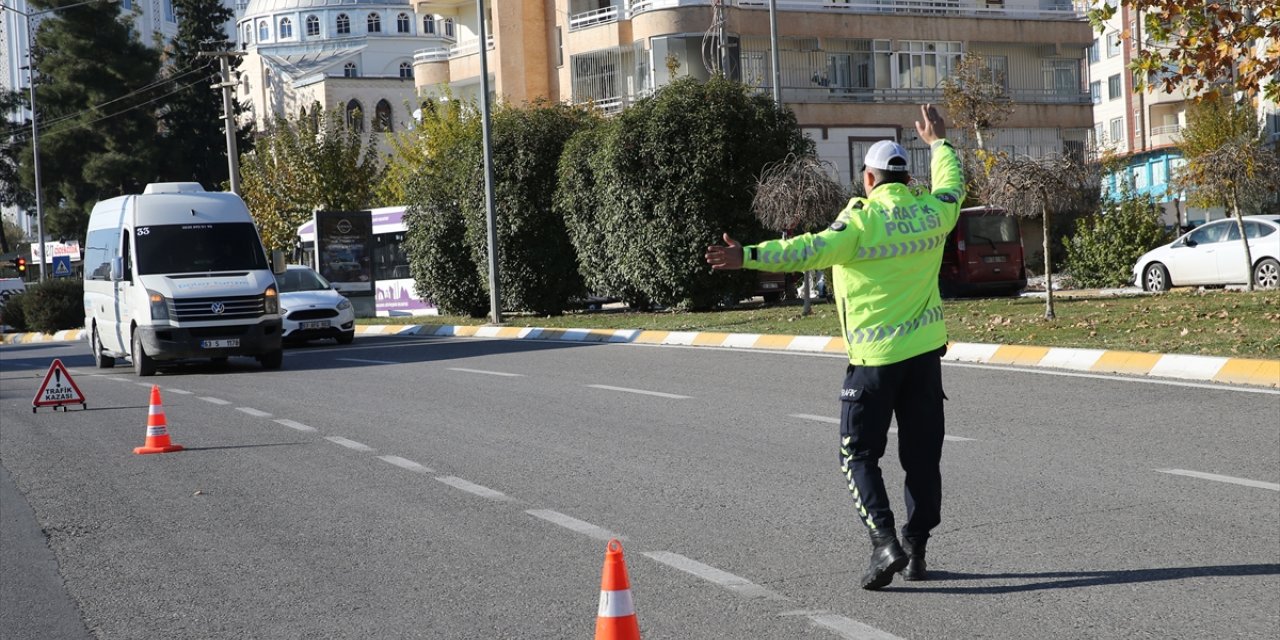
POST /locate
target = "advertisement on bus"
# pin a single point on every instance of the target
(344, 249)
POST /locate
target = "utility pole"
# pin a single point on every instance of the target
(228, 113)
(776, 57)
(495, 306)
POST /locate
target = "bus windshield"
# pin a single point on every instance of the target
(198, 248)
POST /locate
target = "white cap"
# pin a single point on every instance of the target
(886, 155)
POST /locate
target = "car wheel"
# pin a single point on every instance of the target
(143, 364)
(272, 359)
(1156, 278)
(1267, 274)
(347, 338)
(100, 359)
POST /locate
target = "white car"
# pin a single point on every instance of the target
(1212, 254)
(312, 309)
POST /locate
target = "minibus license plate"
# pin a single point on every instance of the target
(319, 324)
(220, 344)
(995, 258)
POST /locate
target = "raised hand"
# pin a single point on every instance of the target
(726, 258)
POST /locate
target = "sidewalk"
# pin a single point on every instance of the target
(1243, 371)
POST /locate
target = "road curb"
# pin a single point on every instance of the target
(1242, 371)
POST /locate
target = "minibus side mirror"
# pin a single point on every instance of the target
(117, 269)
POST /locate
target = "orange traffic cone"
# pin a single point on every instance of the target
(157, 429)
(616, 619)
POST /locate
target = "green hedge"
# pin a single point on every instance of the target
(1106, 245)
(50, 306)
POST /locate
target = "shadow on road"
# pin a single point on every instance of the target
(1074, 579)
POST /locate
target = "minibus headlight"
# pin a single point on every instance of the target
(271, 300)
(159, 306)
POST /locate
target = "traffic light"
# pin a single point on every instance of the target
(21, 265)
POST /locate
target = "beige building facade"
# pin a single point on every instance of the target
(852, 71)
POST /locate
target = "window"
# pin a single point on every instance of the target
(1113, 44)
(1099, 134)
(248, 34)
(1117, 130)
(344, 24)
(1211, 233)
(998, 67)
(403, 25)
(355, 115)
(1113, 87)
(1095, 91)
(559, 47)
(1094, 54)
(127, 5)
(382, 116)
(448, 27)
(286, 28)
(923, 65)
(168, 11)
(1139, 174)
(264, 32)
(100, 248)
(406, 71)
(1159, 175)
(429, 25)
(1061, 76)
(349, 70)
(313, 26)
(374, 21)
(1257, 229)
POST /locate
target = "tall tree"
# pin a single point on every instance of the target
(12, 139)
(194, 141)
(95, 95)
(1204, 44)
(304, 163)
(977, 98)
(1227, 163)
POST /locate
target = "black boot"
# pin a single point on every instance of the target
(887, 558)
(915, 560)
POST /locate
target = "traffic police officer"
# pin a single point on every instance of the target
(885, 251)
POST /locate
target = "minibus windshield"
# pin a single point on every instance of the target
(198, 248)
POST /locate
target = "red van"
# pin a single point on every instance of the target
(983, 255)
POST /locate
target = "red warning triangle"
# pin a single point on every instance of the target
(58, 388)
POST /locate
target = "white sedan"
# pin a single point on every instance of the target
(312, 309)
(1212, 254)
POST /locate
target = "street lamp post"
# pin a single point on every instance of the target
(35, 129)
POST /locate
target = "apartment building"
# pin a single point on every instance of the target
(853, 71)
(1143, 128)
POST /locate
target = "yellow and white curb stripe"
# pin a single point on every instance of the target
(1247, 371)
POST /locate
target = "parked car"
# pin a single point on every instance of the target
(1212, 254)
(983, 255)
(312, 309)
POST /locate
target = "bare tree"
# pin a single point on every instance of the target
(1230, 174)
(1044, 186)
(977, 100)
(1227, 163)
(795, 195)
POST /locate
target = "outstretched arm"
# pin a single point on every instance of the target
(727, 258)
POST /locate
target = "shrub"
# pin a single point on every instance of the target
(54, 305)
(673, 172)
(13, 313)
(1106, 245)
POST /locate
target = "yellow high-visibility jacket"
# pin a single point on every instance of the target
(885, 252)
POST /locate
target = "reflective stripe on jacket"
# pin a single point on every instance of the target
(885, 252)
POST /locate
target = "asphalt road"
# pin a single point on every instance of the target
(465, 488)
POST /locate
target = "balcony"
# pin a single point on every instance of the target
(1011, 9)
(444, 54)
(586, 19)
(1165, 136)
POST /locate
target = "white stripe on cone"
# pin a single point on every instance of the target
(616, 604)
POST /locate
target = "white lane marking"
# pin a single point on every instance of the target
(849, 628)
(1217, 478)
(116, 379)
(488, 373)
(405, 464)
(214, 400)
(639, 391)
(713, 575)
(830, 420)
(177, 391)
(471, 487)
(350, 444)
(363, 361)
(254, 412)
(574, 524)
(294, 425)
(144, 384)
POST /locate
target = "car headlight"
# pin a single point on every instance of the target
(345, 304)
(159, 306)
(271, 300)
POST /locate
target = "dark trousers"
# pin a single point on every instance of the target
(911, 391)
